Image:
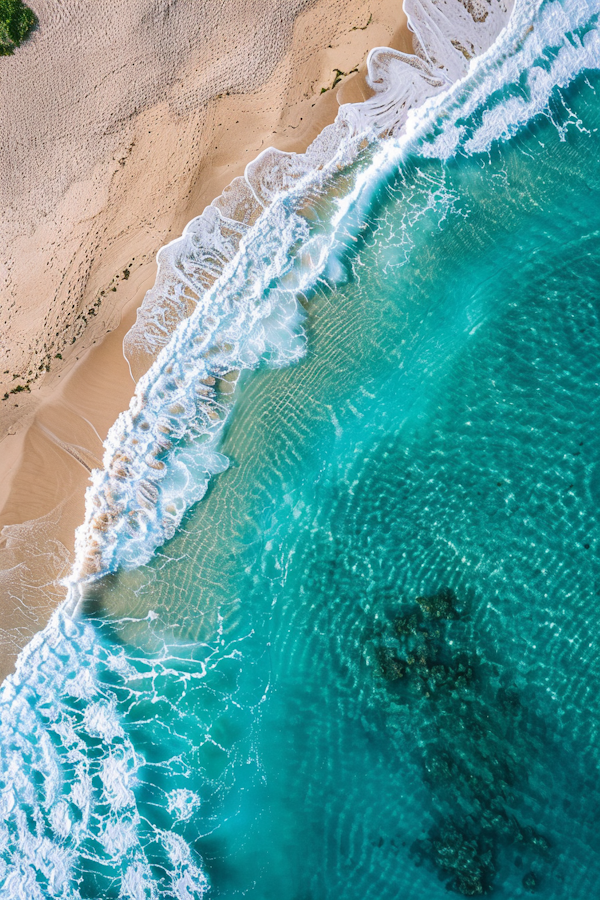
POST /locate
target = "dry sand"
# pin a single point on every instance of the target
(120, 121)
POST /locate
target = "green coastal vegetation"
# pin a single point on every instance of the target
(16, 22)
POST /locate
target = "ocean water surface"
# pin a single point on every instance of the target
(365, 664)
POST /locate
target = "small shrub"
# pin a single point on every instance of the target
(16, 22)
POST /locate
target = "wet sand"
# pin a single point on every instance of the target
(132, 203)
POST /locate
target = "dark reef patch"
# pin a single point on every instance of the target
(474, 740)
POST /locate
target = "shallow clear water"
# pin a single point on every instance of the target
(265, 707)
(440, 434)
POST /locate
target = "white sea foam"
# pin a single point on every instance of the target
(536, 61)
(447, 35)
(75, 745)
(182, 803)
(226, 294)
(70, 774)
(162, 452)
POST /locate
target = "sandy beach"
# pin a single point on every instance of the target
(107, 152)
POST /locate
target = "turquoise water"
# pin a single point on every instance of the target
(366, 665)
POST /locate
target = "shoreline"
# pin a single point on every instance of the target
(57, 438)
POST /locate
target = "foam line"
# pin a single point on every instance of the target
(161, 453)
(214, 310)
(447, 35)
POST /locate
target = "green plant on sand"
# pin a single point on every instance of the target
(16, 21)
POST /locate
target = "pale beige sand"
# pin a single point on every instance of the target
(123, 120)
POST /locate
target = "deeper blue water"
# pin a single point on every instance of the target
(367, 664)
